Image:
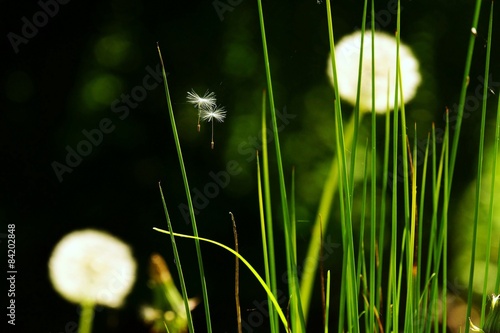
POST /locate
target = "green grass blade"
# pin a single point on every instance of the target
(419, 273)
(383, 204)
(272, 313)
(373, 196)
(480, 167)
(492, 194)
(245, 262)
(463, 94)
(344, 197)
(297, 317)
(273, 316)
(327, 303)
(447, 180)
(356, 112)
(178, 264)
(188, 195)
(362, 261)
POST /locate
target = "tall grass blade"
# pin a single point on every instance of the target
(188, 195)
(480, 169)
(272, 312)
(297, 317)
(179, 266)
(344, 198)
(327, 303)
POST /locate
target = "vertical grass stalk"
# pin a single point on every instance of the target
(480, 168)
(188, 195)
(178, 264)
(297, 317)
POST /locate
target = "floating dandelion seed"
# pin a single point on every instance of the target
(216, 112)
(201, 103)
(347, 54)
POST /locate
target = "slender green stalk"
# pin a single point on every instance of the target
(327, 312)
(244, 261)
(373, 206)
(293, 220)
(480, 169)
(456, 137)
(392, 295)
(419, 273)
(325, 205)
(463, 94)
(361, 246)
(86, 317)
(178, 264)
(272, 311)
(356, 112)
(344, 197)
(412, 297)
(493, 177)
(446, 198)
(273, 316)
(383, 204)
(188, 195)
(369, 322)
(293, 286)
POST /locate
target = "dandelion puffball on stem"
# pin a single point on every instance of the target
(201, 103)
(347, 56)
(92, 267)
(218, 113)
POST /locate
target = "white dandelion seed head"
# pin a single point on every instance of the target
(206, 102)
(91, 266)
(347, 54)
(217, 112)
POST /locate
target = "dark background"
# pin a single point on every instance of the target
(66, 77)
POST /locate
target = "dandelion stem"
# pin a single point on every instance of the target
(86, 317)
(212, 143)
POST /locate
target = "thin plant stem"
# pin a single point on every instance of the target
(327, 302)
(297, 316)
(188, 196)
(178, 265)
(236, 276)
(480, 168)
(86, 317)
(273, 316)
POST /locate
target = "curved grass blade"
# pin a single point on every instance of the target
(245, 262)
